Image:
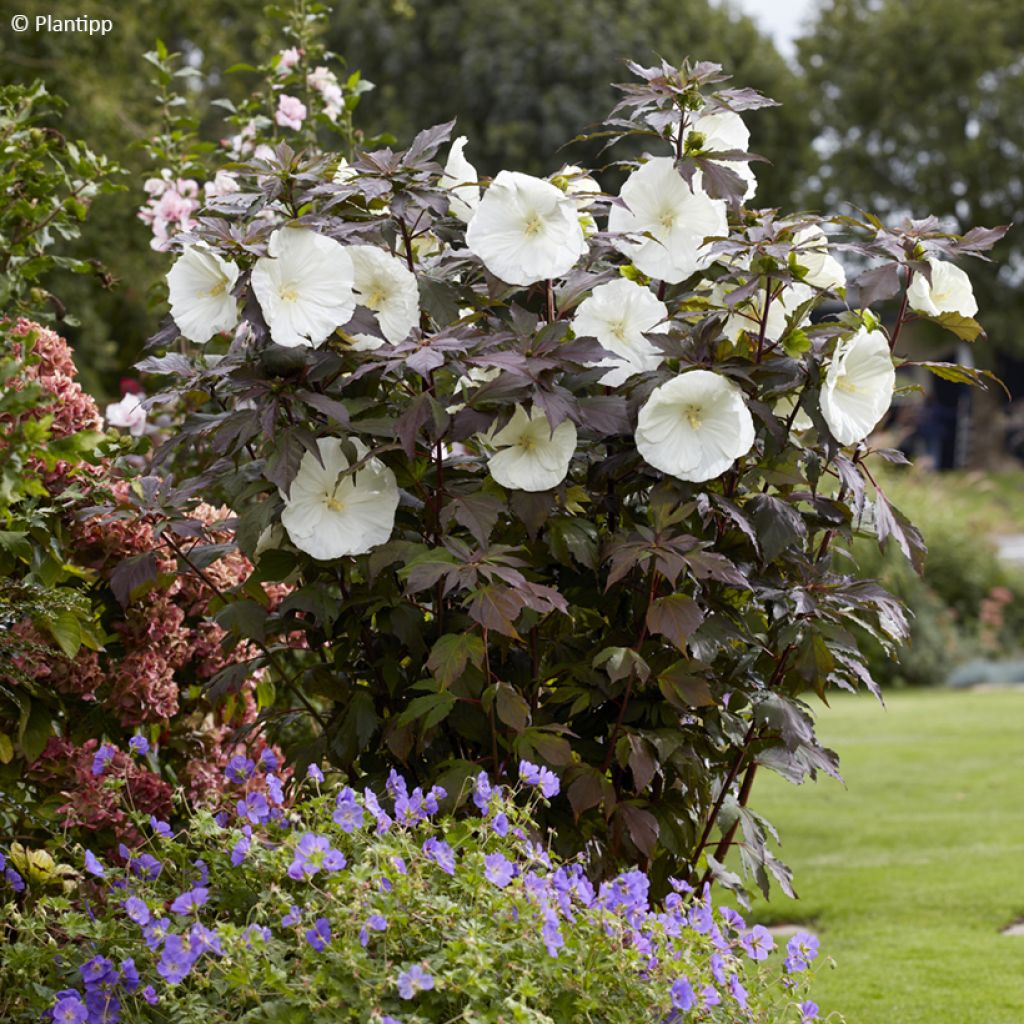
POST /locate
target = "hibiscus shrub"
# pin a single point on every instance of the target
(341, 908)
(555, 474)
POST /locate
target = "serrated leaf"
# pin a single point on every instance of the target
(676, 617)
(450, 655)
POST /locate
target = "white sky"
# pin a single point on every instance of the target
(781, 19)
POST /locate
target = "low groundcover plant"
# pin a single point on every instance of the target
(332, 905)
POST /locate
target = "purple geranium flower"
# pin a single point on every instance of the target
(155, 932)
(276, 789)
(683, 997)
(348, 815)
(102, 758)
(239, 769)
(441, 854)
(482, 792)
(93, 865)
(176, 960)
(709, 996)
(808, 1012)
(161, 828)
(550, 932)
(204, 940)
(268, 760)
(254, 808)
(146, 866)
(149, 994)
(758, 942)
(500, 825)
(498, 870)
(137, 910)
(313, 853)
(189, 902)
(98, 970)
(240, 850)
(294, 916)
(70, 1010)
(320, 934)
(139, 745)
(129, 975)
(533, 775)
(313, 772)
(801, 950)
(414, 980)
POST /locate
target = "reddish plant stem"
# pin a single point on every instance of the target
(734, 770)
(617, 728)
(267, 652)
(901, 317)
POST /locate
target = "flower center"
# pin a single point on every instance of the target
(218, 289)
(619, 329)
(846, 385)
(288, 292)
(667, 218)
(376, 296)
(533, 225)
(695, 415)
(527, 443)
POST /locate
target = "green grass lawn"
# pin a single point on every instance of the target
(909, 873)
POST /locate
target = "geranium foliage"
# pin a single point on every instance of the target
(347, 906)
(525, 516)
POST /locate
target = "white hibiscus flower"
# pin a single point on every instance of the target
(575, 182)
(784, 409)
(461, 178)
(304, 287)
(823, 269)
(949, 292)
(329, 513)
(618, 315)
(532, 456)
(724, 131)
(695, 426)
(858, 386)
(384, 284)
(747, 315)
(662, 205)
(525, 230)
(128, 414)
(199, 285)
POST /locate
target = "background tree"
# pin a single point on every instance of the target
(524, 78)
(917, 110)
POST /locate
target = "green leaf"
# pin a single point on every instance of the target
(34, 730)
(684, 690)
(451, 653)
(963, 375)
(428, 710)
(964, 327)
(67, 631)
(512, 708)
(6, 749)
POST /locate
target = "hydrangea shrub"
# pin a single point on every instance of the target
(344, 907)
(557, 472)
(85, 654)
